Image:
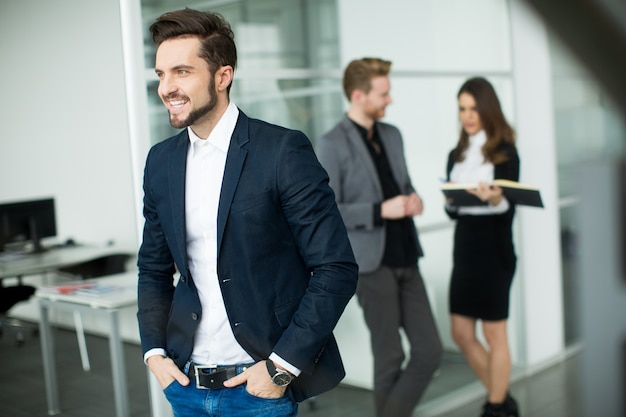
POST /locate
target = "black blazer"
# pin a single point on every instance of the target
(285, 265)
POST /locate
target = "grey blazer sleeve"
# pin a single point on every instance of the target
(354, 180)
(337, 158)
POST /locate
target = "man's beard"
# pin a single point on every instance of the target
(197, 114)
(375, 113)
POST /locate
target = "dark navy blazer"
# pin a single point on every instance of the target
(285, 265)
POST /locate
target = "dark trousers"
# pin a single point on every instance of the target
(394, 298)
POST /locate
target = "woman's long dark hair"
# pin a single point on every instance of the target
(492, 119)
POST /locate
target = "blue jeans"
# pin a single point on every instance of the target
(189, 401)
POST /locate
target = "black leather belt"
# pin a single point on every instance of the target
(213, 376)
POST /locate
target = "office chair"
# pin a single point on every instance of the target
(10, 296)
(95, 268)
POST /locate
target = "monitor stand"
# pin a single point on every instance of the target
(34, 236)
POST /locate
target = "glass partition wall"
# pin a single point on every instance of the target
(288, 53)
(587, 124)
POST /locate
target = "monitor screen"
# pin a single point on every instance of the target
(27, 222)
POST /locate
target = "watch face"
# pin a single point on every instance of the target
(281, 379)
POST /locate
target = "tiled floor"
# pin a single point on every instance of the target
(551, 393)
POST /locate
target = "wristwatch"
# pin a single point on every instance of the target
(279, 377)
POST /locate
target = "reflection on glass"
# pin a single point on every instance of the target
(587, 124)
(569, 259)
(282, 46)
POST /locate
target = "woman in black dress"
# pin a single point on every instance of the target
(484, 257)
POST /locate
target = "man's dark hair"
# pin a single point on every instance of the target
(217, 38)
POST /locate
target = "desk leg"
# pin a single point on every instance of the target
(118, 367)
(47, 354)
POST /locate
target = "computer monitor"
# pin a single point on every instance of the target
(27, 221)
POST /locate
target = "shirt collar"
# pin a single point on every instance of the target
(362, 130)
(222, 132)
(478, 139)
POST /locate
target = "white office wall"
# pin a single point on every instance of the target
(427, 35)
(539, 232)
(63, 124)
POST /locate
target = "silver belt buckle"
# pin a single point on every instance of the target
(197, 369)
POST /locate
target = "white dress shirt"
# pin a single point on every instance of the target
(214, 342)
(474, 169)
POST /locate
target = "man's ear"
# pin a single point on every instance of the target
(223, 77)
(356, 95)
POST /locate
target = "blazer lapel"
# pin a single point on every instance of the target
(363, 153)
(178, 159)
(395, 157)
(235, 159)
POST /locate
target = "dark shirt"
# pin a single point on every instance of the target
(401, 248)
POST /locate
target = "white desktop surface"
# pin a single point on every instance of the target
(52, 259)
(125, 296)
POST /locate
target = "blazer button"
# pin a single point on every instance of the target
(194, 316)
(183, 279)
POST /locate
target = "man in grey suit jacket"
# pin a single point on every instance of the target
(368, 173)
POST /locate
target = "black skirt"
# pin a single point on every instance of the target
(484, 265)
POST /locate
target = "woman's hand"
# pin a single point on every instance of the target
(488, 193)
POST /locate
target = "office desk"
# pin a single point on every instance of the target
(53, 259)
(107, 306)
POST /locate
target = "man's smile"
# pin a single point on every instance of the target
(175, 104)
